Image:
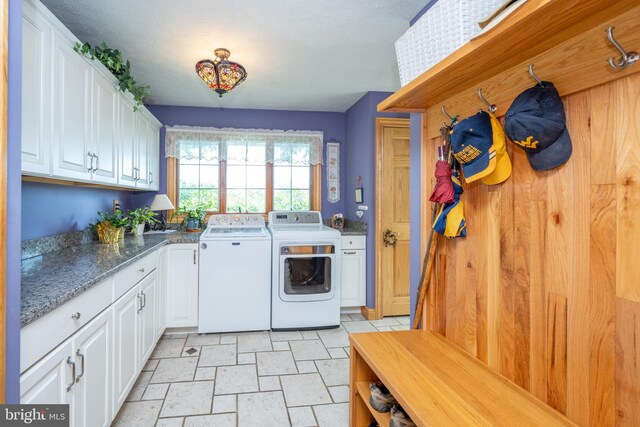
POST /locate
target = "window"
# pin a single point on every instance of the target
(236, 170)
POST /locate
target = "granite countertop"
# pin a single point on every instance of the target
(349, 231)
(351, 228)
(51, 279)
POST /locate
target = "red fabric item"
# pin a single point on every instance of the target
(443, 191)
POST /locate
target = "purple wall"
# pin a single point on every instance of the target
(416, 191)
(332, 124)
(360, 160)
(14, 129)
(49, 209)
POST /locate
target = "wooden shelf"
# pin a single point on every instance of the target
(533, 28)
(382, 418)
(437, 383)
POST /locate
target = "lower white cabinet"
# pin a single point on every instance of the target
(47, 380)
(161, 300)
(182, 285)
(94, 369)
(126, 344)
(353, 280)
(136, 334)
(78, 373)
(93, 350)
(148, 316)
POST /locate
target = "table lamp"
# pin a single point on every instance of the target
(161, 203)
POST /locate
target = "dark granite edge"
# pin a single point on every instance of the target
(27, 317)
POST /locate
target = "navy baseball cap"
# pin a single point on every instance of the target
(536, 123)
(472, 146)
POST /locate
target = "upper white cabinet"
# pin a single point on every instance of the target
(76, 124)
(71, 111)
(140, 144)
(104, 136)
(36, 93)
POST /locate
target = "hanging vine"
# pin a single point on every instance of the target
(112, 59)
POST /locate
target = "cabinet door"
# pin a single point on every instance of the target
(142, 144)
(104, 127)
(46, 382)
(36, 93)
(126, 120)
(353, 282)
(125, 348)
(71, 112)
(93, 351)
(148, 330)
(182, 285)
(154, 156)
(161, 301)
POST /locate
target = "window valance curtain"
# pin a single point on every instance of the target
(279, 146)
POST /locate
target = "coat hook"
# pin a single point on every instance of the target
(533, 75)
(626, 59)
(492, 107)
(444, 111)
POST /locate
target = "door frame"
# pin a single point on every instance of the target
(381, 123)
(4, 52)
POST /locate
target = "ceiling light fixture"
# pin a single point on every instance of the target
(221, 75)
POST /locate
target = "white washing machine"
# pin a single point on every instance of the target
(235, 274)
(305, 284)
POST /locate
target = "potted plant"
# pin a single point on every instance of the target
(193, 218)
(110, 227)
(138, 218)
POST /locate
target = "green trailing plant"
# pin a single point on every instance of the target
(116, 219)
(112, 59)
(141, 216)
(195, 213)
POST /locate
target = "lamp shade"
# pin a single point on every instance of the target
(161, 203)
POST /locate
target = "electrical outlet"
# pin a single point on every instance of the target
(116, 205)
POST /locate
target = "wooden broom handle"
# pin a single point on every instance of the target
(424, 285)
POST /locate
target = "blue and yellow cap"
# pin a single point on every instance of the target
(472, 146)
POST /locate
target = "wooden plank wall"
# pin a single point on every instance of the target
(544, 287)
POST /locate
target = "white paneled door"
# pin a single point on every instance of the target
(36, 95)
(104, 130)
(71, 111)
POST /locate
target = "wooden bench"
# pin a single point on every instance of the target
(438, 384)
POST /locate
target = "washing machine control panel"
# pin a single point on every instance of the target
(236, 220)
(292, 218)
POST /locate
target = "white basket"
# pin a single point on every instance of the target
(441, 30)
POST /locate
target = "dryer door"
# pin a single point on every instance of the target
(307, 272)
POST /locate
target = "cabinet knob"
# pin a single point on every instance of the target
(76, 316)
(141, 270)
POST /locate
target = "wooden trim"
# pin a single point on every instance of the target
(56, 181)
(368, 313)
(223, 186)
(172, 183)
(316, 187)
(172, 186)
(269, 189)
(547, 22)
(4, 52)
(381, 123)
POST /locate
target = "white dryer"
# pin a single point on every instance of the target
(235, 274)
(305, 284)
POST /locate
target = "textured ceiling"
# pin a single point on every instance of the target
(314, 55)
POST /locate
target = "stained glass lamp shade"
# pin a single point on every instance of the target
(221, 75)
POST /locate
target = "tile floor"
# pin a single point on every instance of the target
(297, 378)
